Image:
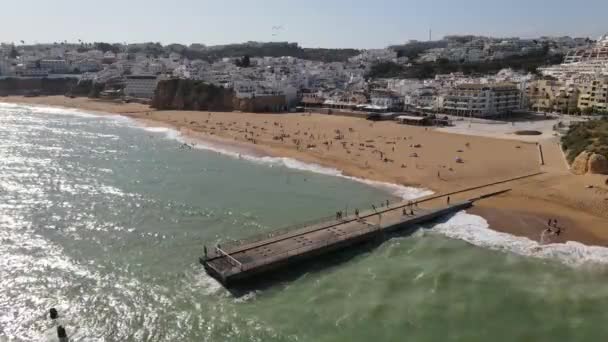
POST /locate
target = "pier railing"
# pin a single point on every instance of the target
(329, 220)
(278, 232)
(366, 228)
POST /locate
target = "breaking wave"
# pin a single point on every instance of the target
(404, 192)
(476, 231)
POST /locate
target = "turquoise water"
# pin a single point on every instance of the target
(105, 221)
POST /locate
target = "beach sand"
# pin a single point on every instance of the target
(406, 155)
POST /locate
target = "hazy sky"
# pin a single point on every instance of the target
(312, 23)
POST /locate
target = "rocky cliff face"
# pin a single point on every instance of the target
(179, 94)
(191, 95)
(40, 86)
(587, 162)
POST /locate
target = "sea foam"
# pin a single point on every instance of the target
(476, 231)
(463, 226)
(404, 192)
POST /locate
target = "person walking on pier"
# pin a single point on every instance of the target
(205, 251)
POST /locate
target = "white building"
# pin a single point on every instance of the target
(55, 66)
(31, 72)
(5, 67)
(86, 65)
(141, 86)
(483, 99)
(383, 99)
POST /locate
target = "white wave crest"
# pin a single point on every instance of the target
(476, 230)
(41, 109)
(404, 192)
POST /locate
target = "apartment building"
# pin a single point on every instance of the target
(482, 100)
(386, 100)
(552, 96)
(55, 66)
(593, 95)
(569, 97)
(86, 65)
(141, 86)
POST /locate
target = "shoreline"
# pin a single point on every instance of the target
(522, 212)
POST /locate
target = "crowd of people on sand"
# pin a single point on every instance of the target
(317, 140)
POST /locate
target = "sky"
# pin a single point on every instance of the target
(312, 23)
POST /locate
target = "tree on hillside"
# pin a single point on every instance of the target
(244, 62)
(105, 47)
(385, 70)
(14, 54)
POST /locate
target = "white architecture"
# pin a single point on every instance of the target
(55, 66)
(5, 67)
(141, 86)
(483, 99)
(86, 65)
(383, 99)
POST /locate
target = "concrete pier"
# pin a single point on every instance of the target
(241, 260)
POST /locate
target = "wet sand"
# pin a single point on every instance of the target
(406, 155)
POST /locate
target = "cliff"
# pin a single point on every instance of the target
(46, 86)
(191, 95)
(587, 162)
(588, 136)
(180, 94)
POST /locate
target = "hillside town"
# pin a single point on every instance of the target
(579, 85)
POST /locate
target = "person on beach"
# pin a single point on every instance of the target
(387, 203)
(404, 211)
(448, 200)
(374, 207)
(357, 212)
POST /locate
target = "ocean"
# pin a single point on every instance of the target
(104, 219)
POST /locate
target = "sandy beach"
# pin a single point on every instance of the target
(406, 155)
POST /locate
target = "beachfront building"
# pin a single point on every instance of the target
(5, 67)
(425, 98)
(593, 96)
(55, 66)
(481, 100)
(383, 99)
(141, 86)
(22, 71)
(86, 65)
(553, 96)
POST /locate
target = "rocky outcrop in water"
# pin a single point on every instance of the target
(588, 162)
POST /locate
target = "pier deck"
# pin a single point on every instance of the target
(245, 259)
